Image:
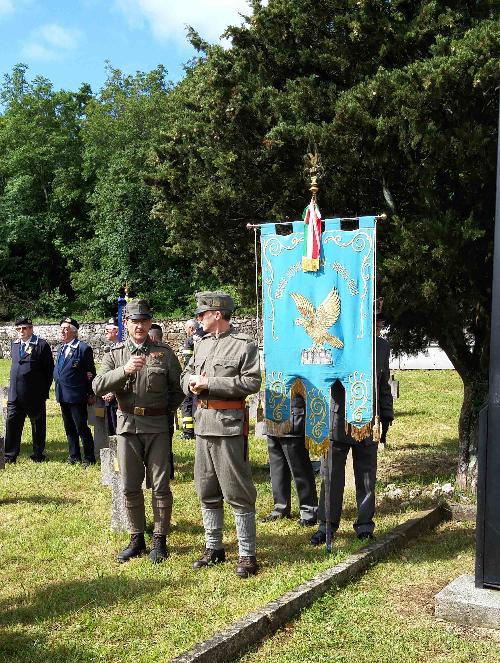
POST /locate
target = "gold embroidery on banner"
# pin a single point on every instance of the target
(358, 395)
(274, 247)
(358, 242)
(276, 394)
(316, 322)
(317, 409)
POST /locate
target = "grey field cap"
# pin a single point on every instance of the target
(138, 309)
(213, 301)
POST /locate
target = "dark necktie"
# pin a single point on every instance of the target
(62, 356)
(22, 351)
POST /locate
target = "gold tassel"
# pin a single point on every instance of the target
(260, 411)
(310, 264)
(376, 429)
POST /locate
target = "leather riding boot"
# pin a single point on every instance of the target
(135, 548)
(247, 566)
(159, 552)
(210, 556)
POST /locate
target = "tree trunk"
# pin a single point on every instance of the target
(475, 396)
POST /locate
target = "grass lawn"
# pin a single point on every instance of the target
(63, 597)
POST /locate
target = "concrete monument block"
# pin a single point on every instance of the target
(464, 603)
(98, 419)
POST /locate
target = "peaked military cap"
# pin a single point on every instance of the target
(23, 321)
(112, 322)
(213, 301)
(138, 309)
(71, 321)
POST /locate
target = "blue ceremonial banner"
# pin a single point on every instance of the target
(122, 329)
(318, 327)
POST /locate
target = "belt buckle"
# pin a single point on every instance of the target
(203, 403)
(139, 411)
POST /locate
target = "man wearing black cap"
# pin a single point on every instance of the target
(29, 385)
(73, 373)
(144, 375)
(224, 370)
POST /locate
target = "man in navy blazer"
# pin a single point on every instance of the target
(73, 373)
(29, 385)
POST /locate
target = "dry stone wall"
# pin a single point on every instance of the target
(93, 334)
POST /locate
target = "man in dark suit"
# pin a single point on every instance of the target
(73, 373)
(364, 455)
(30, 380)
(289, 459)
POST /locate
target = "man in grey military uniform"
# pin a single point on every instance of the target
(144, 375)
(224, 370)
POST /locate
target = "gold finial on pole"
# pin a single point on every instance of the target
(314, 170)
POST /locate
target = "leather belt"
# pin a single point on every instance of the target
(144, 411)
(220, 405)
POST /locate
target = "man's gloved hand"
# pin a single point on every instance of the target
(385, 427)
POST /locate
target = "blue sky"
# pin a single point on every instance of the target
(68, 41)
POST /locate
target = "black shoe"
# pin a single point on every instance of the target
(318, 538)
(187, 436)
(366, 536)
(159, 552)
(307, 523)
(135, 548)
(247, 566)
(271, 517)
(73, 461)
(210, 556)
(37, 459)
(88, 463)
(10, 460)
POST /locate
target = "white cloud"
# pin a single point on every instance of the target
(167, 19)
(50, 42)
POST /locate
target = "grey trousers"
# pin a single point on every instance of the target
(364, 460)
(222, 472)
(289, 458)
(136, 452)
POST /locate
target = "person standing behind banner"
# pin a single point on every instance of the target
(73, 373)
(110, 402)
(30, 379)
(188, 404)
(364, 456)
(145, 376)
(224, 370)
(289, 459)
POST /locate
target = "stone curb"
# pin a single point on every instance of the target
(233, 641)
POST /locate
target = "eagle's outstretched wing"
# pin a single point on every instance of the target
(329, 310)
(303, 305)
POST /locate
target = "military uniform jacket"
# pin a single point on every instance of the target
(70, 373)
(231, 363)
(155, 386)
(385, 406)
(31, 375)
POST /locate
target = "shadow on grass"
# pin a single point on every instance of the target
(38, 499)
(17, 647)
(59, 599)
(445, 544)
(422, 464)
(409, 413)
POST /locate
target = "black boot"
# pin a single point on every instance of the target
(159, 552)
(210, 556)
(247, 566)
(135, 548)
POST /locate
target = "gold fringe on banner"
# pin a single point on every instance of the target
(298, 388)
(359, 433)
(317, 449)
(277, 429)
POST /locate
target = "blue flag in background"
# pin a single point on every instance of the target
(318, 327)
